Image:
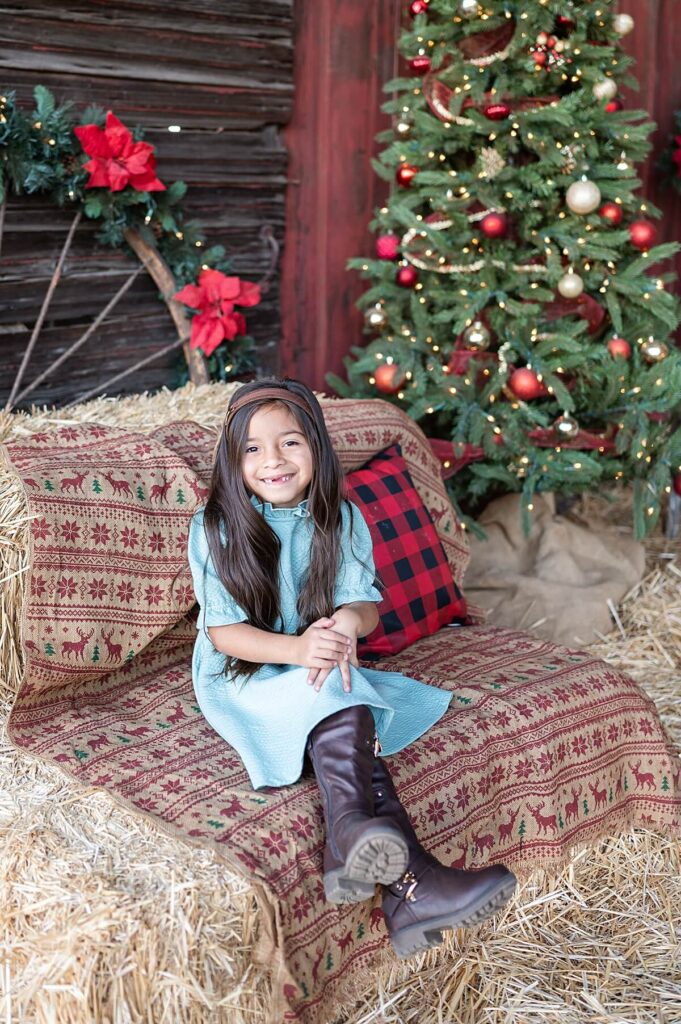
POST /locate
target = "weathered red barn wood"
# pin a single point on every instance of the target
(223, 73)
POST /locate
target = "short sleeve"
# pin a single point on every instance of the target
(217, 606)
(357, 573)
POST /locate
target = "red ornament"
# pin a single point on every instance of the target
(117, 160)
(612, 106)
(419, 65)
(619, 348)
(496, 111)
(494, 225)
(676, 484)
(387, 247)
(418, 7)
(405, 174)
(564, 23)
(215, 296)
(611, 212)
(406, 277)
(525, 384)
(642, 234)
(539, 57)
(389, 378)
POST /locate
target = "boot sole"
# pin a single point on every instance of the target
(427, 934)
(380, 855)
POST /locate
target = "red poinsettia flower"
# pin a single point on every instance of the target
(117, 160)
(215, 296)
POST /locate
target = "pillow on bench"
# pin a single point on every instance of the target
(419, 593)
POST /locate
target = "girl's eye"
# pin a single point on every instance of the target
(292, 442)
(251, 449)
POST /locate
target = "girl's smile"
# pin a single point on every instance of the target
(277, 461)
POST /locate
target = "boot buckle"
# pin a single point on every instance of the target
(410, 879)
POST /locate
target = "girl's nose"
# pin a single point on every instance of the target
(274, 458)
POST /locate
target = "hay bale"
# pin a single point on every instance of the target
(105, 918)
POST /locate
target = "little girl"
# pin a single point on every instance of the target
(284, 576)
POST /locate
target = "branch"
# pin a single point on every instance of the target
(43, 311)
(160, 273)
(83, 338)
(125, 373)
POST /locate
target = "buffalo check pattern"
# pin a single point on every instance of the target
(419, 592)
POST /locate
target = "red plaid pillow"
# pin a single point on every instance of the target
(420, 594)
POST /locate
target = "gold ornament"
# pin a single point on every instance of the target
(477, 337)
(566, 427)
(570, 285)
(469, 8)
(654, 351)
(491, 162)
(623, 24)
(606, 89)
(583, 196)
(375, 318)
(404, 127)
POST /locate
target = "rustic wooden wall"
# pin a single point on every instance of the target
(344, 52)
(224, 73)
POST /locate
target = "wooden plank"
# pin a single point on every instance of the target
(157, 104)
(350, 51)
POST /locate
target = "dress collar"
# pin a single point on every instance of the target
(270, 511)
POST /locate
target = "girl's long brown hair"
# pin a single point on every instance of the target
(248, 562)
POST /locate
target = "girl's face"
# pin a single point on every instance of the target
(276, 461)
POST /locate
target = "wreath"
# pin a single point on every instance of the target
(102, 171)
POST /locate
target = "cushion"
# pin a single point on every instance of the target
(360, 428)
(110, 512)
(420, 594)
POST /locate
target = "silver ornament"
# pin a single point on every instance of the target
(375, 318)
(623, 24)
(606, 89)
(469, 8)
(566, 427)
(477, 337)
(654, 351)
(583, 196)
(570, 285)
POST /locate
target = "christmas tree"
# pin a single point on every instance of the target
(516, 302)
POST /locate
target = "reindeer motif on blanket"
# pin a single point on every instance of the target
(77, 647)
(114, 651)
(119, 486)
(75, 482)
(160, 491)
(599, 795)
(545, 822)
(572, 806)
(643, 779)
(506, 827)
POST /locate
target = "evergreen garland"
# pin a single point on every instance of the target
(40, 154)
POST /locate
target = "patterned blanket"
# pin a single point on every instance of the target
(544, 748)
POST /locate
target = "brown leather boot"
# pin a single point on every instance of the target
(360, 849)
(430, 896)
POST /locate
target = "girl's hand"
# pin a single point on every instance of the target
(320, 647)
(348, 623)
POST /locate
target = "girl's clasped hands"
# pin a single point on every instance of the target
(322, 648)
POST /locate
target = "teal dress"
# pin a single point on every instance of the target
(268, 718)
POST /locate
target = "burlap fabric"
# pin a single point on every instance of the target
(544, 747)
(558, 580)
